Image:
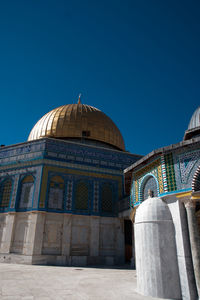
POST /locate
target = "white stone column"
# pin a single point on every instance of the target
(190, 205)
(186, 273)
(7, 232)
(94, 236)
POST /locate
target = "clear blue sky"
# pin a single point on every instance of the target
(137, 61)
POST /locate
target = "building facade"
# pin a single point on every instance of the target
(171, 176)
(60, 191)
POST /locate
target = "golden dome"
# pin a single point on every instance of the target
(78, 121)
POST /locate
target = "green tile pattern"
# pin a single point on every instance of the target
(170, 173)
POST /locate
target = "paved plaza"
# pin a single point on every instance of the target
(29, 282)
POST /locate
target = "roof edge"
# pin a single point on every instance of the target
(161, 151)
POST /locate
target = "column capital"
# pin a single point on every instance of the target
(189, 199)
(189, 203)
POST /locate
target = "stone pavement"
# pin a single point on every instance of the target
(29, 282)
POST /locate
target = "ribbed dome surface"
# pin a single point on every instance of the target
(78, 121)
(195, 120)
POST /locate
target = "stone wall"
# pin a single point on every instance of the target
(62, 239)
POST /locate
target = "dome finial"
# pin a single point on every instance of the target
(79, 99)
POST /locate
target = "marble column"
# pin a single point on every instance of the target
(190, 205)
(184, 255)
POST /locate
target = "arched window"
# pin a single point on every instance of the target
(26, 196)
(81, 196)
(106, 198)
(56, 193)
(149, 184)
(5, 193)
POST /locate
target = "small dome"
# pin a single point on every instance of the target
(195, 120)
(194, 126)
(78, 121)
(152, 209)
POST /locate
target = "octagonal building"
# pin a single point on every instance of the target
(60, 192)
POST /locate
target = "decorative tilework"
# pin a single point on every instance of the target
(89, 154)
(72, 172)
(15, 187)
(55, 200)
(5, 193)
(160, 179)
(81, 195)
(106, 198)
(149, 184)
(70, 159)
(56, 193)
(17, 174)
(163, 174)
(147, 169)
(153, 169)
(26, 192)
(96, 197)
(69, 195)
(137, 191)
(170, 174)
(186, 163)
(185, 166)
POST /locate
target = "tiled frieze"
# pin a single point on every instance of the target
(68, 152)
(84, 152)
(21, 152)
(88, 155)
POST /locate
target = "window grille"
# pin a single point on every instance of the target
(106, 198)
(27, 188)
(81, 196)
(56, 193)
(5, 193)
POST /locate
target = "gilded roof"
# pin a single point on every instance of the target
(78, 121)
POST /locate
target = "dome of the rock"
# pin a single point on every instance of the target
(78, 121)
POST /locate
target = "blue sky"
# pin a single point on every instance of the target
(137, 61)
